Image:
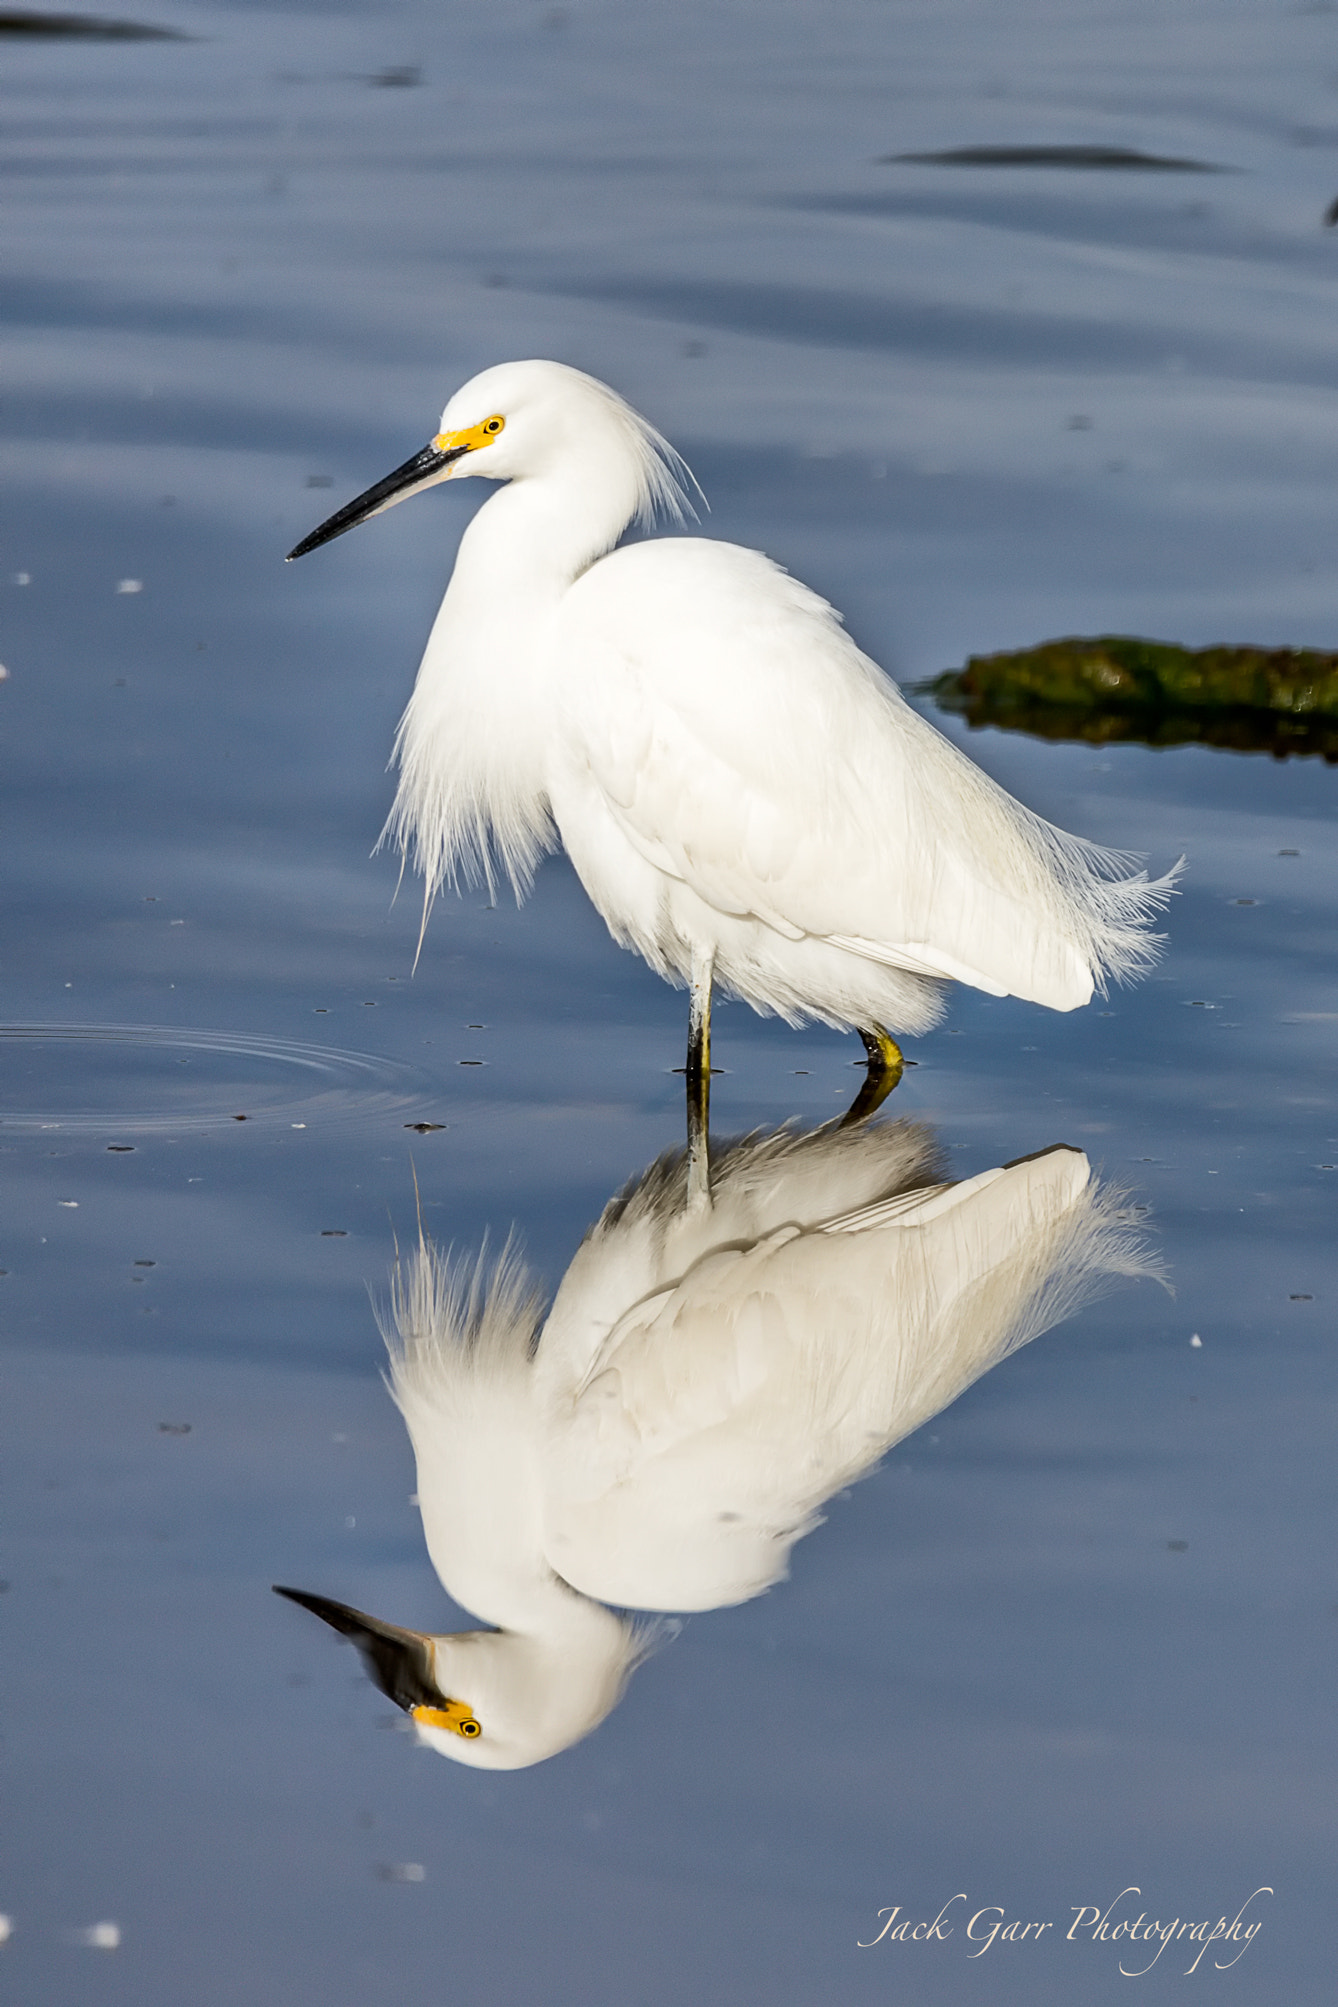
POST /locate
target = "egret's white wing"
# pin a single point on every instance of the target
(723, 1411)
(649, 1237)
(746, 747)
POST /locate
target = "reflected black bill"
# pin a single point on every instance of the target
(396, 1660)
(383, 496)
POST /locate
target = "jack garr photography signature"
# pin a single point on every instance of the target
(1120, 1923)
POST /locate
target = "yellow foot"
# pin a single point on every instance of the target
(886, 1067)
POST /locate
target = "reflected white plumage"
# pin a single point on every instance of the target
(744, 795)
(703, 1381)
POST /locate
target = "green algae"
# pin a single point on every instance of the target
(1115, 687)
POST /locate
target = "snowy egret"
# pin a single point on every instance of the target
(746, 798)
(701, 1384)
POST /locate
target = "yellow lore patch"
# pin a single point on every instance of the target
(472, 437)
(456, 1715)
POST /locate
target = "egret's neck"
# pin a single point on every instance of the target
(480, 1496)
(515, 1590)
(534, 537)
(473, 744)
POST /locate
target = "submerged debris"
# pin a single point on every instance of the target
(1106, 157)
(1116, 687)
(24, 21)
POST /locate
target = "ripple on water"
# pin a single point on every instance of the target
(143, 1079)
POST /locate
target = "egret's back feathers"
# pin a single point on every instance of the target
(703, 1382)
(717, 715)
(722, 1412)
(649, 1237)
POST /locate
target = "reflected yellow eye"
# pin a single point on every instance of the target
(454, 1714)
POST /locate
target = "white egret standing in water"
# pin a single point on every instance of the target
(746, 798)
(702, 1383)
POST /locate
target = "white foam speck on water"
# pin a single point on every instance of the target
(105, 1936)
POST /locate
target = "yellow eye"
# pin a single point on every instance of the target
(452, 1714)
(493, 425)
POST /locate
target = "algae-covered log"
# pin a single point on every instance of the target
(1116, 687)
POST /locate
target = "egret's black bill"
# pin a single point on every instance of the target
(396, 1660)
(413, 474)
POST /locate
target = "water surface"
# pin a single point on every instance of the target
(1076, 1634)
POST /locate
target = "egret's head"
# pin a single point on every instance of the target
(531, 421)
(493, 1699)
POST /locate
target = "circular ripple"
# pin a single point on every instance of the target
(144, 1079)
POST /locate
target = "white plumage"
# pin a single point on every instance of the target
(703, 1381)
(743, 794)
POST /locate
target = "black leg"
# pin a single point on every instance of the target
(698, 1076)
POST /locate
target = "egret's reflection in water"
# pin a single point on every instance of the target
(706, 1377)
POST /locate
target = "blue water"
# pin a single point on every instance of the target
(1077, 1634)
